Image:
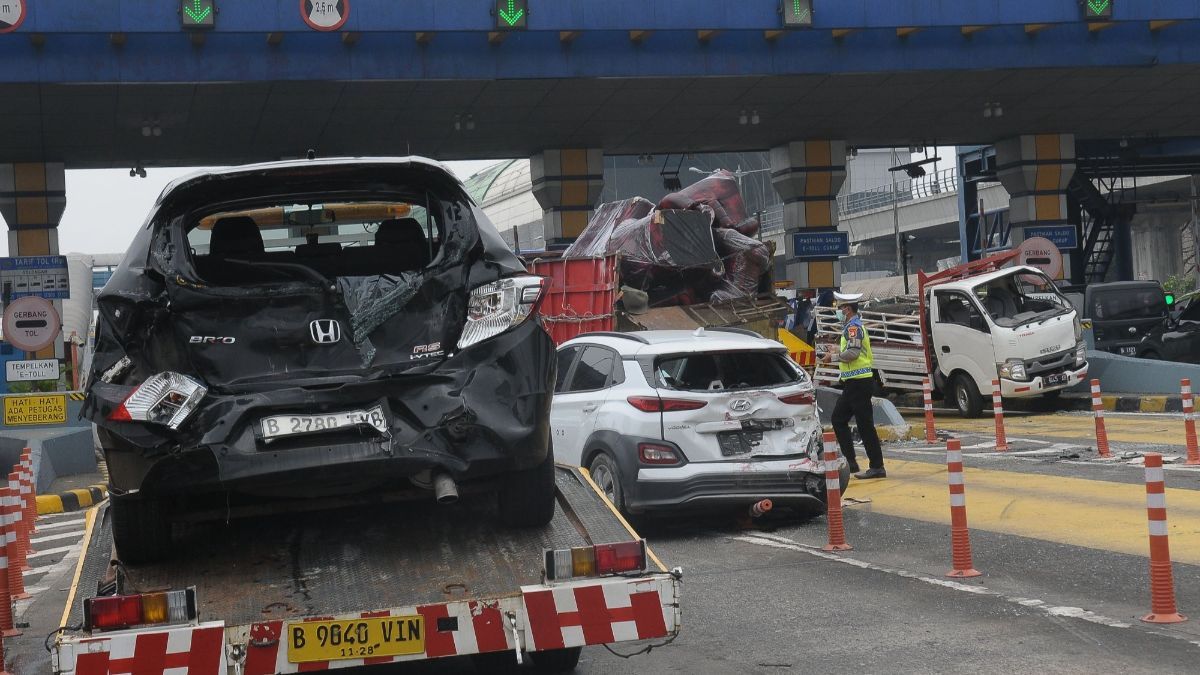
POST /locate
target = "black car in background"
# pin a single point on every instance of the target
(1123, 312)
(1178, 339)
(313, 329)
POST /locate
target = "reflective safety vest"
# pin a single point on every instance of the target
(862, 366)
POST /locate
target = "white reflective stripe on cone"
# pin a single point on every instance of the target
(958, 500)
(1154, 474)
(1156, 500)
(1158, 528)
(833, 484)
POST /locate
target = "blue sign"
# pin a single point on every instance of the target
(41, 275)
(827, 244)
(1062, 236)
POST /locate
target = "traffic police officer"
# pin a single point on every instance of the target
(856, 366)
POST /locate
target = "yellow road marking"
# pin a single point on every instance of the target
(1091, 513)
(89, 523)
(1157, 429)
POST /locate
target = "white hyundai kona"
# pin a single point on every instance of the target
(671, 419)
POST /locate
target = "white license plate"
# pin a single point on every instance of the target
(278, 426)
(1057, 378)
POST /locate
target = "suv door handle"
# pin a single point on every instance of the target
(590, 408)
(946, 349)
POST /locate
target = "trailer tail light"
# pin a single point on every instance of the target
(803, 398)
(114, 612)
(654, 453)
(626, 557)
(654, 404)
(166, 398)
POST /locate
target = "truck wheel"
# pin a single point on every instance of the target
(527, 497)
(608, 478)
(557, 660)
(141, 530)
(966, 396)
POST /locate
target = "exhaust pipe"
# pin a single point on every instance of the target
(759, 509)
(445, 490)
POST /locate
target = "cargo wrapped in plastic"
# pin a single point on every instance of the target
(671, 255)
(746, 260)
(720, 193)
(597, 238)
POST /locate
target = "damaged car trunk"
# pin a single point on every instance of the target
(309, 329)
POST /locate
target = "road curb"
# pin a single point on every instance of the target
(71, 500)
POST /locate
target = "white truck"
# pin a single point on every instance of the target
(373, 582)
(970, 325)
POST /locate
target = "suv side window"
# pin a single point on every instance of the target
(957, 308)
(1191, 312)
(565, 358)
(593, 370)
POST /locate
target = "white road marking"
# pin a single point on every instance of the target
(51, 551)
(55, 537)
(776, 541)
(62, 523)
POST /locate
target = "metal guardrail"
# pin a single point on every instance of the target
(907, 190)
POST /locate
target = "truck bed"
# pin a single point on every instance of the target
(353, 559)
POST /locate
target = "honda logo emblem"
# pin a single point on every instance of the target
(325, 331)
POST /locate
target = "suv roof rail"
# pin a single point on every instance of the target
(614, 334)
(737, 331)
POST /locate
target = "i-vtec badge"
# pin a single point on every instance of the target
(211, 340)
(325, 331)
(428, 351)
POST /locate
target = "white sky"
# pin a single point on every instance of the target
(105, 206)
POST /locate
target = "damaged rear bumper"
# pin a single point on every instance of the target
(796, 482)
(481, 412)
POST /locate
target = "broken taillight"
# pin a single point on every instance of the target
(590, 561)
(494, 308)
(655, 404)
(166, 398)
(803, 398)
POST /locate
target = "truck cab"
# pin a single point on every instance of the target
(1010, 324)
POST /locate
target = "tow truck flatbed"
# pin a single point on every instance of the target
(480, 587)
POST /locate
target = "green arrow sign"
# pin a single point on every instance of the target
(511, 14)
(197, 13)
(1098, 9)
(797, 13)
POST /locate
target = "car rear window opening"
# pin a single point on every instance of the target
(725, 370)
(276, 243)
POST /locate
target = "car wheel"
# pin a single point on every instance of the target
(966, 396)
(141, 530)
(557, 660)
(608, 478)
(527, 497)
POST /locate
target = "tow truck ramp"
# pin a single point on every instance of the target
(366, 585)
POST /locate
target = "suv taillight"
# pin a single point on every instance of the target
(593, 561)
(803, 398)
(654, 404)
(654, 453)
(113, 612)
(166, 398)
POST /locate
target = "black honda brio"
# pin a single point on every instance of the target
(314, 329)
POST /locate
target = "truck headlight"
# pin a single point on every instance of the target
(1014, 369)
(1080, 354)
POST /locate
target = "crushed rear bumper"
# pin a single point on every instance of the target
(794, 481)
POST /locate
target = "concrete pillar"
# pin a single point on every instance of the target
(807, 175)
(1035, 170)
(1157, 244)
(567, 184)
(32, 199)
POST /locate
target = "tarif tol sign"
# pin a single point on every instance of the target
(12, 14)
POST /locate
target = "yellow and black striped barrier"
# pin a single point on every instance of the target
(71, 500)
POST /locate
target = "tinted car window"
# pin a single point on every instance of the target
(565, 357)
(1191, 312)
(1131, 303)
(726, 370)
(593, 370)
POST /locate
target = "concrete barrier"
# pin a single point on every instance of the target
(889, 423)
(56, 452)
(1127, 375)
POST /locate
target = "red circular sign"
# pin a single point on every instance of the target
(31, 324)
(325, 15)
(1041, 253)
(12, 15)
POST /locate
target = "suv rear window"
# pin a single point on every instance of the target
(1129, 303)
(726, 370)
(338, 239)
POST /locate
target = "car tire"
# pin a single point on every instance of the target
(557, 660)
(966, 396)
(141, 530)
(527, 497)
(607, 477)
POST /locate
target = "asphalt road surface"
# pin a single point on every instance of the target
(1059, 535)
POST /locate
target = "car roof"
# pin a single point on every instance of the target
(654, 342)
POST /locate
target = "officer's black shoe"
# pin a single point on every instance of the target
(853, 465)
(871, 473)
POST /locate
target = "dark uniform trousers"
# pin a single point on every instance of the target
(855, 402)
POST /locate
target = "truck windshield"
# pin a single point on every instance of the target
(1021, 298)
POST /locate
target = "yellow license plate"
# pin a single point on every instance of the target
(355, 638)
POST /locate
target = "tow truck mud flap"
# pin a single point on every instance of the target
(590, 613)
(198, 650)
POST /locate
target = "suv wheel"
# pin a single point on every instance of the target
(141, 530)
(966, 396)
(608, 477)
(527, 497)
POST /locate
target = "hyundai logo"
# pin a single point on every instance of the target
(325, 331)
(740, 404)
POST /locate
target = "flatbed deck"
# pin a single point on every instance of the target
(383, 555)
